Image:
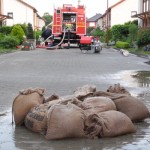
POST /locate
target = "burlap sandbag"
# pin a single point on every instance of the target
(65, 121)
(134, 108)
(36, 119)
(85, 91)
(108, 124)
(26, 100)
(117, 88)
(97, 104)
(51, 98)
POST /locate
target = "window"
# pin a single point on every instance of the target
(92, 24)
(10, 14)
(58, 11)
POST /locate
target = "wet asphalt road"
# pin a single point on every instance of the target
(61, 72)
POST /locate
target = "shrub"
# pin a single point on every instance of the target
(89, 30)
(120, 32)
(18, 32)
(24, 27)
(1, 36)
(98, 32)
(133, 30)
(9, 42)
(6, 30)
(37, 34)
(120, 44)
(143, 37)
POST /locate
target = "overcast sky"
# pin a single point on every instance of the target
(92, 6)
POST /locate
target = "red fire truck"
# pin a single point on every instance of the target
(69, 24)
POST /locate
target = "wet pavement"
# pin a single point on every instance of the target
(61, 72)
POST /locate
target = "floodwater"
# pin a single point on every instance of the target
(19, 138)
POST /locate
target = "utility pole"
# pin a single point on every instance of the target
(79, 2)
(107, 34)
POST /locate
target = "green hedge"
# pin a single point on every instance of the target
(9, 42)
(120, 44)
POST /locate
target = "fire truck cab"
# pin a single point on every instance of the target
(69, 24)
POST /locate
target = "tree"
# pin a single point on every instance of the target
(133, 30)
(24, 27)
(48, 18)
(89, 30)
(30, 33)
(98, 32)
(18, 32)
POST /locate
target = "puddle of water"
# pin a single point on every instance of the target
(134, 78)
(135, 81)
(142, 78)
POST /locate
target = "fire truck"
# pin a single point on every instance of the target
(69, 24)
(69, 27)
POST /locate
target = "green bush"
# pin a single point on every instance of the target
(9, 42)
(24, 27)
(18, 32)
(1, 36)
(143, 37)
(98, 32)
(37, 34)
(6, 30)
(133, 30)
(119, 32)
(120, 44)
(89, 30)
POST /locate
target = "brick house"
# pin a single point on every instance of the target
(94, 21)
(21, 12)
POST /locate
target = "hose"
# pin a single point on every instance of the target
(58, 43)
(48, 38)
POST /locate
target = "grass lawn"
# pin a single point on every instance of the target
(139, 51)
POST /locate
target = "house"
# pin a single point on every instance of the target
(20, 12)
(94, 21)
(2, 15)
(143, 13)
(119, 13)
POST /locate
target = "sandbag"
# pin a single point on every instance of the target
(134, 108)
(65, 121)
(26, 100)
(118, 89)
(36, 119)
(97, 104)
(108, 124)
(51, 98)
(85, 91)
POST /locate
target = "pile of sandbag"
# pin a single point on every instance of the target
(87, 113)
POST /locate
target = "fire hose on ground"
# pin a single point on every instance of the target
(56, 46)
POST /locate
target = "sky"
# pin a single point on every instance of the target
(92, 6)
